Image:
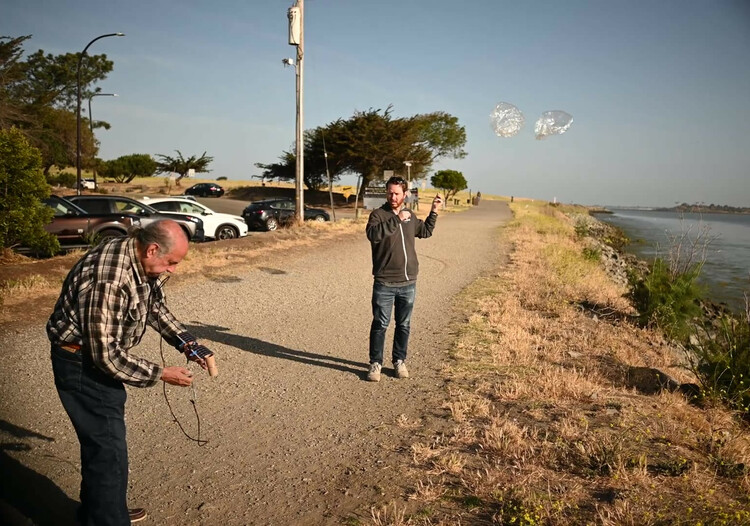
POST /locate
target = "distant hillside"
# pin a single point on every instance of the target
(713, 209)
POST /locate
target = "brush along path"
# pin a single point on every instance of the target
(296, 435)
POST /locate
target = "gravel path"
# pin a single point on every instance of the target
(296, 435)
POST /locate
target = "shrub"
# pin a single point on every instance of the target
(222, 178)
(666, 298)
(592, 253)
(511, 509)
(719, 353)
(22, 187)
(616, 238)
(66, 179)
(581, 227)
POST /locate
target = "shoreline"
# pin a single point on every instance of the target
(618, 262)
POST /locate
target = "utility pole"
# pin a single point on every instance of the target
(296, 16)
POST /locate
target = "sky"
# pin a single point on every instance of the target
(659, 91)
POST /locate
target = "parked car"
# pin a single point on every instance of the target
(205, 190)
(88, 184)
(215, 224)
(269, 214)
(112, 204)
(74, 227)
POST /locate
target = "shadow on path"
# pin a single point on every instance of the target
(26, 497)
(260, 347)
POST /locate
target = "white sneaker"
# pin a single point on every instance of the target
(401, 370)
(374, 374)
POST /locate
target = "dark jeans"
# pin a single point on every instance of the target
(95, 404)
(383, 300)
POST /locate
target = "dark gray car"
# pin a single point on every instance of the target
(111, 204)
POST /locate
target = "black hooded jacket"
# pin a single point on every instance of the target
(394, 259)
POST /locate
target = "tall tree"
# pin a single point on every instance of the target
(316, 146)
(182, 165)
(11, 73)
(54, 132)
(38, 96)
(373, 141)
(22, 187)
(51, 80)
(452, 181)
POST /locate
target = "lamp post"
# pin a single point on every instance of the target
(78, 108)
(408, 177)
(408, 172)
(91, 123)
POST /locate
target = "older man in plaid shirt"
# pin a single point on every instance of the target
(107, 300)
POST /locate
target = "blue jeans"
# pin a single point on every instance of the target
(95, 404)
(384, 298)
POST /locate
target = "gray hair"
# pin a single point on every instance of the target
(155, 233)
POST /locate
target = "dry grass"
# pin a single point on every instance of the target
(547, 429)
(20, 291)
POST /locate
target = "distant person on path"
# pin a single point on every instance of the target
(479, 197)
(107, 300)
(392, 230)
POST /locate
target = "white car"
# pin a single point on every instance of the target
(215, 225)
(88, 184)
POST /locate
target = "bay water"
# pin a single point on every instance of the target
(726, 272)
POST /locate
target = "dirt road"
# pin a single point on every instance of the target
(296, 435)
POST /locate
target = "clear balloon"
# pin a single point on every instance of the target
(506, 120)
(552, 123)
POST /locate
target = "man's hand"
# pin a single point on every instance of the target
(404, 215)
(197, 353)
(176, 375)
(436, 203)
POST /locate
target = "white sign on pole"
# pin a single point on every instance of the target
(191, 172)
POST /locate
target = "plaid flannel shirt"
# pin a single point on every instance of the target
(104, 307)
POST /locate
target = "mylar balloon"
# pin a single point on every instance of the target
(506, 120)
(552, 123)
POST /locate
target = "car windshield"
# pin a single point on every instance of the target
(132, 207)
(183, 207)
(62, 207)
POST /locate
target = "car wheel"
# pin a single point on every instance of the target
(109, 233)
(319, 218)
(271, 224)
(226, 232)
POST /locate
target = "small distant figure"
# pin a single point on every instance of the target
(511, 199)
(479, 197)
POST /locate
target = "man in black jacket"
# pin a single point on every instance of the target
(391, 230)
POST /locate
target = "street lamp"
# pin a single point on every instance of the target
(78, 108)
(408, 179)
(91, 123)
(408, 172)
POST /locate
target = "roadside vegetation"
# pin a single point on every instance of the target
(566, 410)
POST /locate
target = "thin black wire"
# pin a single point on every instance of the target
(201, 442)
